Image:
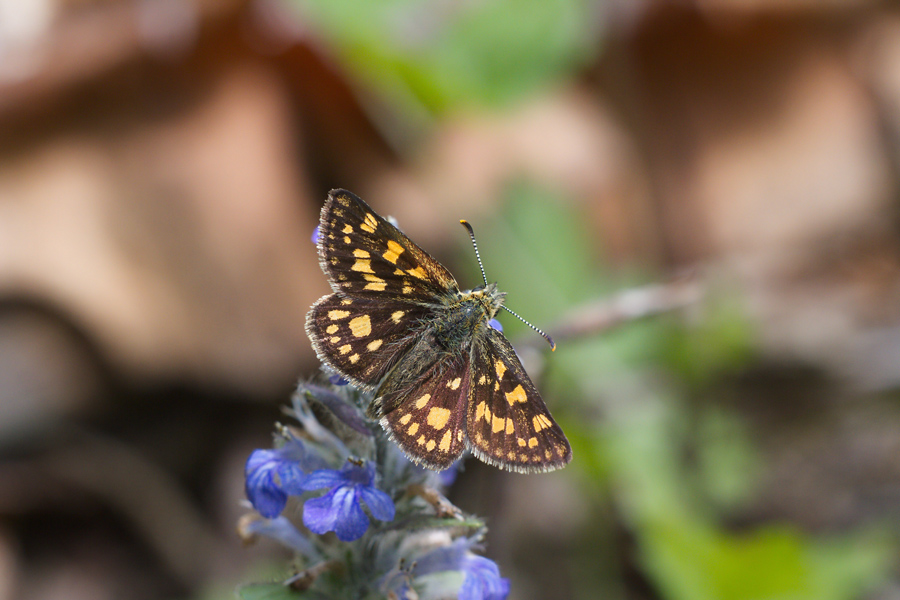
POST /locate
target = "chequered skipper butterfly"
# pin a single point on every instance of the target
(444, 380)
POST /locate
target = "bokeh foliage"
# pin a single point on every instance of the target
(446, 55)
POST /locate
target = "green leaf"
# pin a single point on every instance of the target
(693, 561)
(422, 522)
(721, 341)
(727, 460)
(446, 55)
(690, 557)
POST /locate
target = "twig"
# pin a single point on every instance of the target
(442, 507)
(626, 306)
(303, 580)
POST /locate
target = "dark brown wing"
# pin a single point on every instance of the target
(364, 255)
(422, 404)
(362, 338)
(508, 423)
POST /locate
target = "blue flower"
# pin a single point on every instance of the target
(481, 577)
(273, 475)
(340, 509)
(482, 580)
(337, 380)
(448, 476)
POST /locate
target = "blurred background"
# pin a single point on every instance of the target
(162, 167)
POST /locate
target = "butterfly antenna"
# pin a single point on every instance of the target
(475, 245)
(542, 334)
(484, 277)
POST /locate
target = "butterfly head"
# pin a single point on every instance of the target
(464, 318)
(487, 298)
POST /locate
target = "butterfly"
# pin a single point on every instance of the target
(444, 380)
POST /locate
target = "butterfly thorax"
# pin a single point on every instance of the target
(465, 313)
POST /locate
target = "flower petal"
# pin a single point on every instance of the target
(448, 475)
(319, 514)
(445, 558)
(259, 459)
(292, 478)
(323, 478)
(337, 511)
(482, 580)
(261, 487)
(268, 500)
(352, 522)
(338, 380)
(294, 450)
(380, 504)
(359, 474)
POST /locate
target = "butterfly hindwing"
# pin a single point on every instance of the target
(508, 423)
(423, 406)
(360, 337)
(363, 254)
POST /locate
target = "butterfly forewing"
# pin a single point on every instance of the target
(363, 338)
(508, 423)
(425, 413)
(363, 254)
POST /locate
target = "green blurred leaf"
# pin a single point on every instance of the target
(419, 523)
(444, 55)
(846, 566)
(692, 561)
(727, 461)
(684, 551)
(721, 341)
